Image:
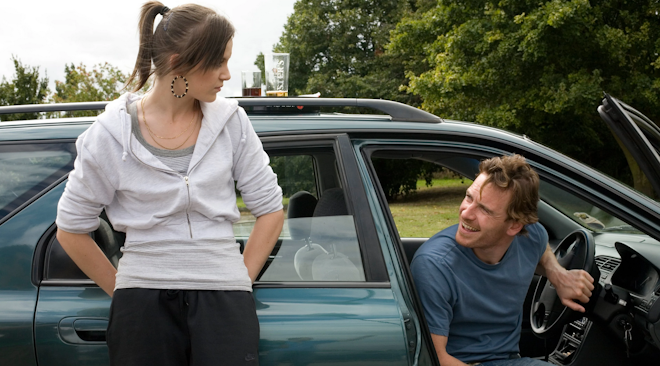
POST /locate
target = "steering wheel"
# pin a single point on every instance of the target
(549, 315)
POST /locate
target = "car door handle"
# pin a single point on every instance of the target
(83, 330)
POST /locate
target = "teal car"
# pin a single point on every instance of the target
(337, 288)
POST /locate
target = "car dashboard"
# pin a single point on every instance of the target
(633, 283)
(627, 310)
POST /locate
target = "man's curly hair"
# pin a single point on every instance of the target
(513, 173)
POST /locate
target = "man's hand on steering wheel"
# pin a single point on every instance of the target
(572, 285)
(569, 275)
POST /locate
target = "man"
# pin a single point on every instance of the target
(472, 277)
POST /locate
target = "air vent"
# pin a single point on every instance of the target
(607, 263)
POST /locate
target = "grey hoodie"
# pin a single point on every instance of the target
(178, 227)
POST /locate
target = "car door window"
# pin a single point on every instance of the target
(58, 266)
(319, 240)
(423, 196)
(28, 169)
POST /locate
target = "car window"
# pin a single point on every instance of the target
(59, 266)
(28, 169)
(423, 197)
(318, 241)
(583, 212)
(423, 212)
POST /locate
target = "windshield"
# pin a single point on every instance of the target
(583, 212)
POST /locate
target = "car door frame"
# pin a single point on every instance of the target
(616, 115)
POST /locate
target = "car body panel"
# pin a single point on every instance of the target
(18, 295)
(319, 326)
(57, 304)
(325, 326)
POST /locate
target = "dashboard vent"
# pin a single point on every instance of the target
(607, 263)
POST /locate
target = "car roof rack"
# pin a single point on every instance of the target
(397, 111)
(57, 107)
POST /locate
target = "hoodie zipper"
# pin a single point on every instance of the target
(188, 208)
(185, 179)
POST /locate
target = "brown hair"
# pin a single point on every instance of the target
(196, 34)
(513, 173)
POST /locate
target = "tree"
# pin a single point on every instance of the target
(261, 64)
(399, 177)
(294, 173)
(103, 82)
(25, 88)
(337, 48)
(536, 67)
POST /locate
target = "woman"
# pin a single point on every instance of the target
(163, 167)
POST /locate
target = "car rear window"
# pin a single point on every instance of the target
(28, 169)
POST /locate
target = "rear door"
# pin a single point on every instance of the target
(325, 295)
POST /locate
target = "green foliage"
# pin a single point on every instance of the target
(294, 173)
(536, 67)
(25, 88)
(102, 83)
(399, 177)
(337, 48)
(261, 64)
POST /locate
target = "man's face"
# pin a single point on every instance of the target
(483, 218)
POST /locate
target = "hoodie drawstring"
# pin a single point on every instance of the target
(124, 153)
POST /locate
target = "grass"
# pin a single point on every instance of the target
(430, 209)
(242, 207)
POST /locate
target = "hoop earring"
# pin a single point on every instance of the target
(172, 87)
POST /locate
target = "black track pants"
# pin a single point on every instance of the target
(182, 327)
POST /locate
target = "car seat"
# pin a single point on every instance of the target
(283, 265)
(333, 243)
(301, 204)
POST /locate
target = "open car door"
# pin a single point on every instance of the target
(640, 135)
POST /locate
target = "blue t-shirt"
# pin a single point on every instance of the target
(478, 306)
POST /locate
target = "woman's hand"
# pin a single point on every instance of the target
(261, 242)
(89, 258)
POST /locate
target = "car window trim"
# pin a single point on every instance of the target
(358, 204)
(39, 258)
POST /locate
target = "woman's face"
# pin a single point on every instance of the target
(205, 85)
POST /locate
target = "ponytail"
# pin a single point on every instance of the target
(142, 70)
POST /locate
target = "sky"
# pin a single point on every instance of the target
(51, 34)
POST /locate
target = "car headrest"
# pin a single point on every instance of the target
(331, 203)
(301, 205)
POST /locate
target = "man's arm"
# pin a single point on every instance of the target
(440, 344)
(571, 285)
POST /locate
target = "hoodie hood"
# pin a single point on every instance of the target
(117, 122)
